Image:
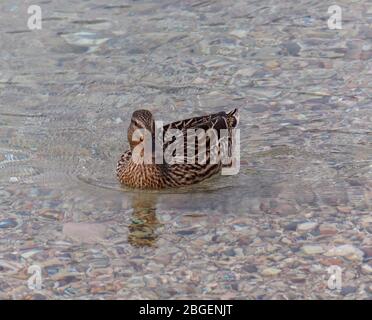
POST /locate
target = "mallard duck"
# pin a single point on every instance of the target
(164, 175)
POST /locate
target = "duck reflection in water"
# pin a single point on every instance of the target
(144, 224)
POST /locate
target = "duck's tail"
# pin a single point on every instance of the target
(233, 118)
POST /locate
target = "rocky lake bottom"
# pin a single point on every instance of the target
(295, 223)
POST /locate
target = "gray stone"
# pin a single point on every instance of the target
(347, 290)
(8, 223)
(312, 249)
(306, 226)
(348, 251)
(270, 272)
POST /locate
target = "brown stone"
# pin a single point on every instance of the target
(105, 288)
(331, 261)
(325, 229)
(344, 209)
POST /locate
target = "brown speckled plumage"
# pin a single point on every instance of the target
(158, 176)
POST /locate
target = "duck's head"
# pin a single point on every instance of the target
(142, 126)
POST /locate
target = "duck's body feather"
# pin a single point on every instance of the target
(158, 176)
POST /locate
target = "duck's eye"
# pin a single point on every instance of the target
(141, 138)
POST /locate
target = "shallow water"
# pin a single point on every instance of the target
(303, 190)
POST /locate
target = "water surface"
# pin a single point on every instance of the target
(304, 187)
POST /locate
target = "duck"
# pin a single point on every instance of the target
(154, 175)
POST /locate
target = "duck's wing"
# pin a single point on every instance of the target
(179, 132)
(220, 120)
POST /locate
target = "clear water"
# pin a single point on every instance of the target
(66, 95)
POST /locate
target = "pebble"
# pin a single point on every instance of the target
(307, 189)
(268, 234)
(240, 33)
(292, 226)
(84, 39)
(312, 249)
(64, 279)
(98, 288)
(299, 279)
(35, 296)
(246, 72)
(239, 252)
(327, 229)
(307, 226)
(286, 240)
(344, 209)
(250, 268)
(8, 223)
(52, 214)
(185, 232)
(366, 269)
(84, 232)
(347, 290)
(270, 271)
(3, 193)
(273, 64)
(135, 282)
(30, 253)
(366, 221)
(291, 48)
(331, 261)
(367, 253)
(348, 251)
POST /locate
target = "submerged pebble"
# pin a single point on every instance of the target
(8, 223)
(270, 272)
(312, 249)
(307, 226)
(298, 207)
(348, 251)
